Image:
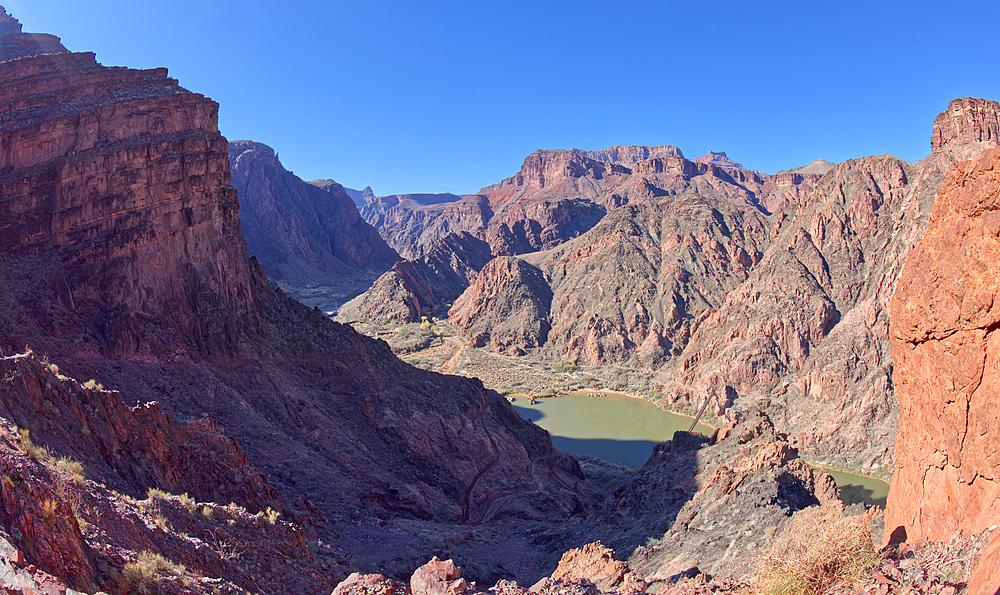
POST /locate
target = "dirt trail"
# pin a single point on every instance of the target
(450, 363)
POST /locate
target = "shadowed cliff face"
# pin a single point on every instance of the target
(301, 233)
(122, 257)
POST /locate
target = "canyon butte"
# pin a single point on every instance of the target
(171, 421)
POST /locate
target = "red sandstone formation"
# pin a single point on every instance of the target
(944, 316)
(124, 173)
(967, 128)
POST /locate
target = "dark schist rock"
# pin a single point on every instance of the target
(712, 505)
(301, 233)
(506, 307)
(414, 288)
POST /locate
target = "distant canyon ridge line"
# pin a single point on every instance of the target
(698, 277)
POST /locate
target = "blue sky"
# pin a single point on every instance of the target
(451, 96)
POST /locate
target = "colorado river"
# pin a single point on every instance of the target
(624, 429)
(616, 427)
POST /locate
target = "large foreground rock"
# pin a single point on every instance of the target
(944, 319)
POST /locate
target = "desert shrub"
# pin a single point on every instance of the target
(49, 507)
(188, 503)
(157, 493)
(39, 453)
(148, 570)
(563, 366)
(821, 550)
(73, 468)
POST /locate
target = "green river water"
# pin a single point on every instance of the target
(623, 429)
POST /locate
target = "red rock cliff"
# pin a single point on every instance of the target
(123, 175)
(944, 318)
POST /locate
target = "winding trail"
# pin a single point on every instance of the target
(467, 498)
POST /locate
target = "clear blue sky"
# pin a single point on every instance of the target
(414, 96)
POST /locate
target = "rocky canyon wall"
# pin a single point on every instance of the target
(945, 314)
(122, 258)
(124, 174)
(301, 233)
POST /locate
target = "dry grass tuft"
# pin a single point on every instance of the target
(822, 550)
(148, 570)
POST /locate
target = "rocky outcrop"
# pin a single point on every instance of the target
(301, 233)
(944, 316)
(572, 174)
(595, 563)
(61, 526)
(131, 449)
(411, 227)
(360, 197)
(16, 44)
(438, 577)
(721, 160)
(631, 154)
(506, 307)
(693, 504)
(370, 584)
(967, 128)
(415, 288)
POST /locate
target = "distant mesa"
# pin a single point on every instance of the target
(720, 159)
(819, 166)
(15, 44)
(631, 154)
(360, 197)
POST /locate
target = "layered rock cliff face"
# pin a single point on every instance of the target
(944, 317)
(720, 159)
(122, 174)
(122, 257)
(301, 233)
(967, 128)
(631, 154)
(412, 227)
